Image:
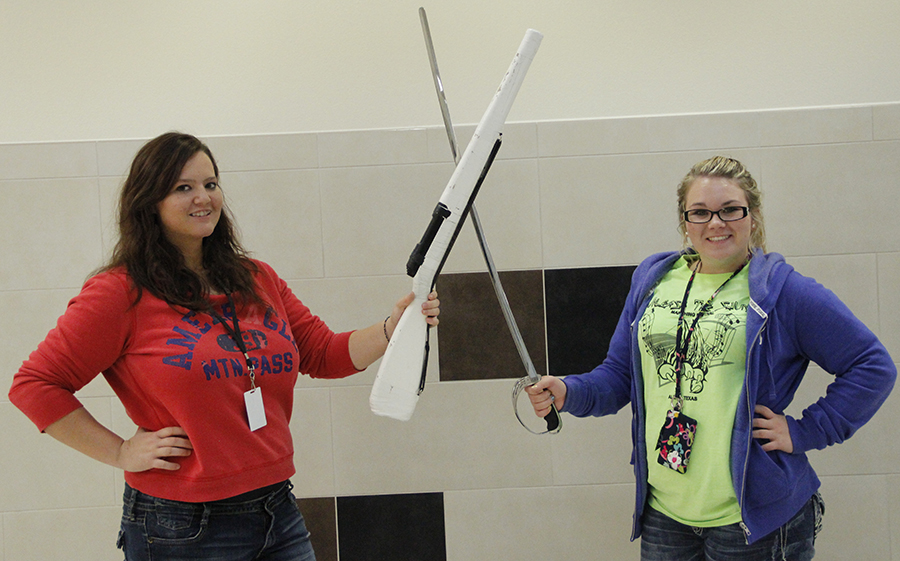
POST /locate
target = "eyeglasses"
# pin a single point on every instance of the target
(727, 214)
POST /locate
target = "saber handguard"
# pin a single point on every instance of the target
(554, 421)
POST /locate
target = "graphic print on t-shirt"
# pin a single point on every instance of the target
(708, 347)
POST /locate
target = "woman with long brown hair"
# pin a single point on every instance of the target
(203, 345)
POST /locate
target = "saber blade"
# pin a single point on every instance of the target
(439, 85)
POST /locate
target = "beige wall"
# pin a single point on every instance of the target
(111, 69)
(337, 214)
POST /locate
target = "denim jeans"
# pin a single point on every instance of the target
(664, 539)
(267, 527)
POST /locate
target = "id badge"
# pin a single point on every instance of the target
(675, 440)
(256, 413)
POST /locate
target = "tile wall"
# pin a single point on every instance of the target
(568, 209)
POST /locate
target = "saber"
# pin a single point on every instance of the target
(401, 375)
(554, 422)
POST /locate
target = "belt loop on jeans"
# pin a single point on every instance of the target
(278, 496)
(129, 501)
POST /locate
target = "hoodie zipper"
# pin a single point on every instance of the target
(641, 424)
(757, 340)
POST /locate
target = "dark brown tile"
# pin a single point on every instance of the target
(583, 308)
(392, 527)
(475, 342)
(320, 517)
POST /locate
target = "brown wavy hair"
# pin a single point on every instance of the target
(152, 261)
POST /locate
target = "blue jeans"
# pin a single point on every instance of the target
(664, 539)
(265, 525)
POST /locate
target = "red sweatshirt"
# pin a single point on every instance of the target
(172, 367)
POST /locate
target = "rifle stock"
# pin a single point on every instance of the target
(401, 374)
(396, 390)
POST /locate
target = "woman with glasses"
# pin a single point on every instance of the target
(709, 350)
(203, 345)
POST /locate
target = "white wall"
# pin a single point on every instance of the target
(110, 69)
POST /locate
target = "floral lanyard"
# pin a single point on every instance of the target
(677, 434)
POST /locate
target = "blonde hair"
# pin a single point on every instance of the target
(728, 168)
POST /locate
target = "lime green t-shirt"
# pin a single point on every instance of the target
(711, 381)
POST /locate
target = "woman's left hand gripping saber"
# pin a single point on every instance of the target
(401, 375)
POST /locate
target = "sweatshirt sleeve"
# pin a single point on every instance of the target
(828, 333)
(88, 338)
(322, 352)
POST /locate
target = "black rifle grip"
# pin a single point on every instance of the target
(441, 212)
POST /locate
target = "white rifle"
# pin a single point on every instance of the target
(401, 376)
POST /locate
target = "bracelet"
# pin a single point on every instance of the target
(384, 327)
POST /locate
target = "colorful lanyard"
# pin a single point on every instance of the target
(681, 346)
(237, 337)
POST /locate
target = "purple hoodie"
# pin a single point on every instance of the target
(792, 320)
